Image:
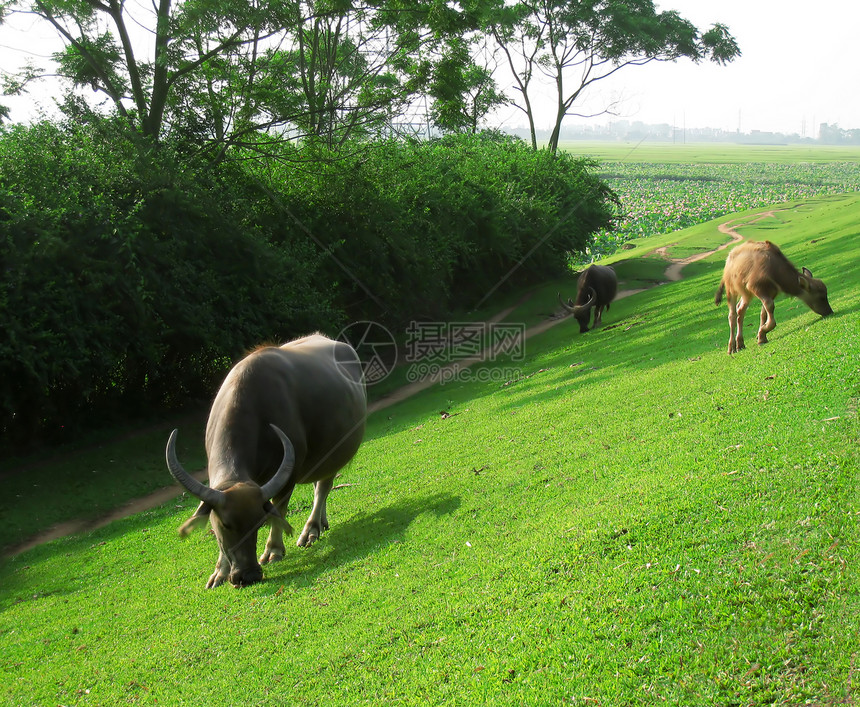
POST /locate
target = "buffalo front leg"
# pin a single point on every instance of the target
(275, 548)
(598, 317)
(221, 573)
(318, 520)
(768, 321)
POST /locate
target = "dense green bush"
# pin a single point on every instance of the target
(419, 228)
(130, 280)
(133, 276)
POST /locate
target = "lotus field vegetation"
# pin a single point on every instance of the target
(659, 194)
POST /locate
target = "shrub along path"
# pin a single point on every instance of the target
(162, 495)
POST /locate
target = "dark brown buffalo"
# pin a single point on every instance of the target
(284, 415)
(595, 289)
(759, 269)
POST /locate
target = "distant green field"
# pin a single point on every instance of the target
(716, 153)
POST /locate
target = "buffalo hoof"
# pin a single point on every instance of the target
(307, 538)
(272, 555)
(310, 534)
(312, 531)
(216, 580)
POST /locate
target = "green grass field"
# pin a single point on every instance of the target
(633, 518)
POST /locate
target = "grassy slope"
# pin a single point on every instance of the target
(638, 518)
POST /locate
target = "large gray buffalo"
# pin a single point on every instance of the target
(595, 289)
(759, 269)
(284, 415)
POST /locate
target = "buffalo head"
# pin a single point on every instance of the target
(237, 513)
(580, 312)
(813, 293)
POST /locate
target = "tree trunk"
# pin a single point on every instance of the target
(160, 82)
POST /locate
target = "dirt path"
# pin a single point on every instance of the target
(73, 527)
(410, 389)
(672, 274)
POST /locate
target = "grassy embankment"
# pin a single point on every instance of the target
(634, 517)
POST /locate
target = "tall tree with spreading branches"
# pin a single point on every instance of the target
(218, 73)
(577, 43)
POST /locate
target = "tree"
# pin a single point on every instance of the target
(463, 92)
(221, 73)
(576, 43)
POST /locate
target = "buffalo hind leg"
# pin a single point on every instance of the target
(318, 520)
(768, 321)
(736, 324)
(598, 317)
(733, 320)
(275, 548)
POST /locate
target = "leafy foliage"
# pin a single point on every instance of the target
(130, 280)
(417, 228)
(134, 277)
(463, 92)
(218, 73)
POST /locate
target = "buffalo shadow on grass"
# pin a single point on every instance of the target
(355, 538)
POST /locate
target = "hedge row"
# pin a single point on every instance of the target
(420, 227)
(133, 277)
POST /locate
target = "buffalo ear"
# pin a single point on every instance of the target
(806, 272)
(275, 519)
(201, 515)
(803, 282)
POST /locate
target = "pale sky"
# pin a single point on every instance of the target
(800, 62)
(799, 68)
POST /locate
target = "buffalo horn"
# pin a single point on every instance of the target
(209, 496)
(562, 303)
(282, 475)
(583, 308)
(579, 309)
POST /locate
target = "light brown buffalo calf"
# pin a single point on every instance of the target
(759, 269)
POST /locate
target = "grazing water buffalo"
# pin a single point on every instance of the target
(284, 415)
(759, 269)
(595, 289)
